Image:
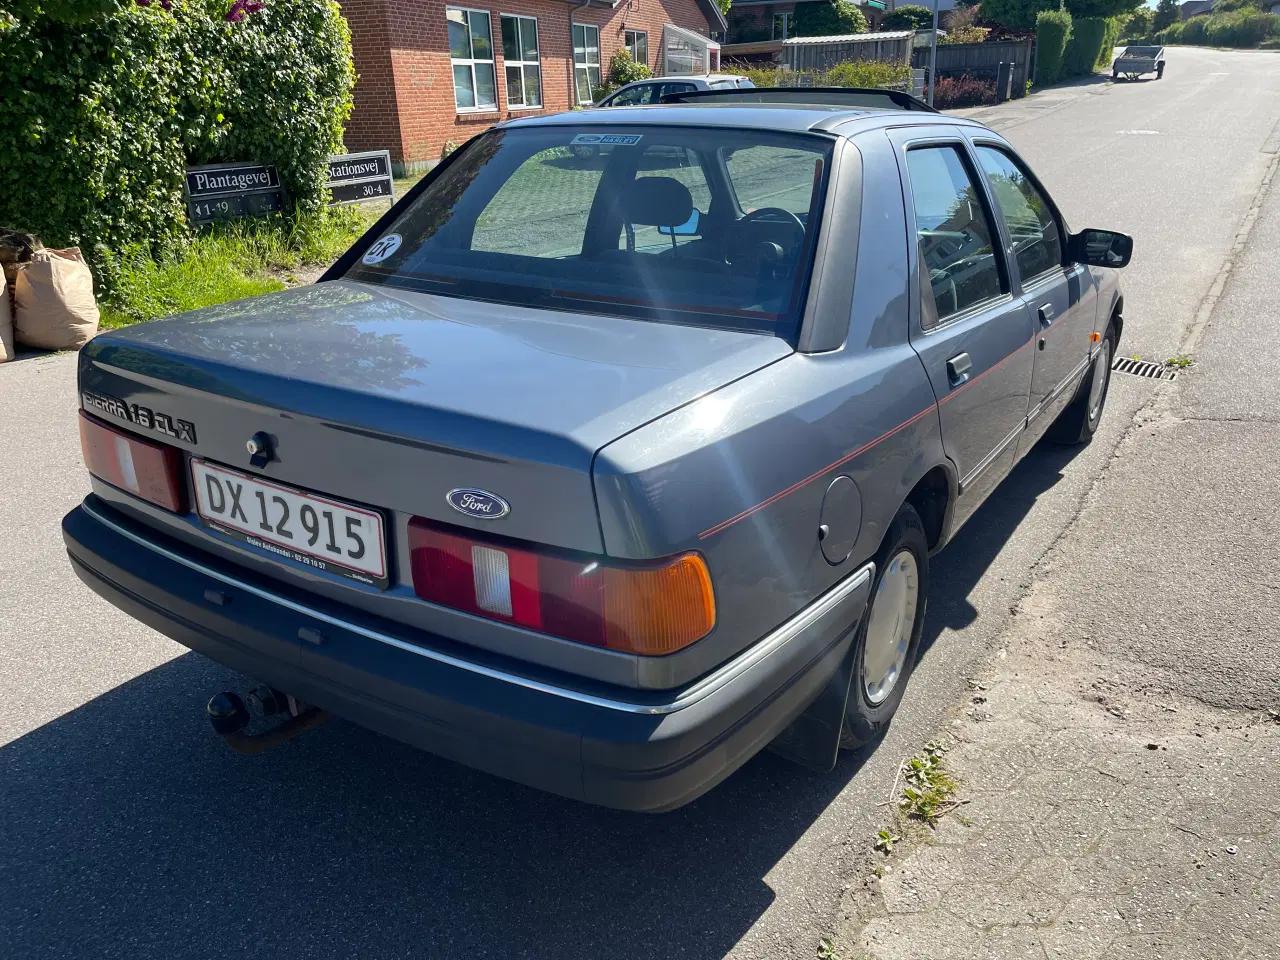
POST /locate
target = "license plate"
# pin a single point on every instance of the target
(316, 531)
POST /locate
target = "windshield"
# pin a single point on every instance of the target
(682, 225)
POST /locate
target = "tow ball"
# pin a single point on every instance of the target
(229, 716)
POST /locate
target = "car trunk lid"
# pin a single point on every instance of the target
(393, 398)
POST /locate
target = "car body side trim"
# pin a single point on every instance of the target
(991, 457)
(713, 682)
(1062, 385)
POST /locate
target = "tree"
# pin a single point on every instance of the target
(1101, 9)
(826, 19)
(1139, 23)
(1166, 15)
(909, 17)
(724, 6)
(1017, 14)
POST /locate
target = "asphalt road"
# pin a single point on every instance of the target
(127, 830)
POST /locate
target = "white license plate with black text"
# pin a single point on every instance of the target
(317, 531)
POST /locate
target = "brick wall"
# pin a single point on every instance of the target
(404, 95)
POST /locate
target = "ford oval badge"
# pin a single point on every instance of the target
(480, 504)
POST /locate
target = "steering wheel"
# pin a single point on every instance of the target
(770, 216)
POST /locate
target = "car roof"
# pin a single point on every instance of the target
(789, 118)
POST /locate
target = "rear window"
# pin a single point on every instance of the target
(713, 228)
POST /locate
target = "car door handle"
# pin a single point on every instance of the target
(958, 368)
(1046, 313)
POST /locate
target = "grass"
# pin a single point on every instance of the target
(226, 262)
(1179, 362)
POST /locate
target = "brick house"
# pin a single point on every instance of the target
(432, 72)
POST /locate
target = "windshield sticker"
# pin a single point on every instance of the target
(608, 139)
(382, 249)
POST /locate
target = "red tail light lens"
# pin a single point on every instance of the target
(149, 470)
(651, 609)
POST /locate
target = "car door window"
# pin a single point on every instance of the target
(959, 266)
(1037, 239)
(669, 88)
(630, 97)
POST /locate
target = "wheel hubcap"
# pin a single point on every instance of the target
(1101, 372)
(889, 627)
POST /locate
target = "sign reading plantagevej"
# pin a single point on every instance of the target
(226, 191)
(357, 177)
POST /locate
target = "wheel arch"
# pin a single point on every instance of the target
(933, 496)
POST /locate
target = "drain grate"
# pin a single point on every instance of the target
(1143, 368)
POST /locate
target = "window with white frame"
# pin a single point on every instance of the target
(471, 50)
(782, 25)
(586, 61)
(520, 61)
(637, 44)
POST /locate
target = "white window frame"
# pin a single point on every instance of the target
(785, 16)
(470, 63)
(630, 46)
(537, 43)
(586, 64)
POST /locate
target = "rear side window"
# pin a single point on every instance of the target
(958, 264)
(1037, 241)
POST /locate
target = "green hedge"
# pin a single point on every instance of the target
(1053, 31)
(1244, 27)
(1084, 47)
(98, 119)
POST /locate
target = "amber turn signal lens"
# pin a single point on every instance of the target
(658, 610)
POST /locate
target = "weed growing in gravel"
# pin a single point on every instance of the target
(927, 792)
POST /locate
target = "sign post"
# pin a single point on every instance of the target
(933, 51)
(227, 191)
(359, 177)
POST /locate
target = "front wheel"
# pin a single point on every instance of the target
(888, 639)
(1079, 422)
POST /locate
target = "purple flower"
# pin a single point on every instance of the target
(242, 7)
(143, 3)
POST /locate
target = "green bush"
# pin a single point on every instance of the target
(1272, 44)
(868, 73)
(1170, 34)
(1110, 37)
(1166, 15)
(1241, 28)
(1018, 14)
(1195, 30)
(1053, 31)
(832, 18)
(909, 17)
(1085, 46)
(98, 119)
(1140, 23)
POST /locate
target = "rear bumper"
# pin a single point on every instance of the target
(594, 743)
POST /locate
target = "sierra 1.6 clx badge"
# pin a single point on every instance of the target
(478, 503)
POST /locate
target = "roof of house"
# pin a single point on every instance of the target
(852, 37)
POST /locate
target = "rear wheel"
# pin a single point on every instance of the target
(888, 638)
(1079, 422)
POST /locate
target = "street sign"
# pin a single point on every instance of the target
(359, 177)
(226, 191)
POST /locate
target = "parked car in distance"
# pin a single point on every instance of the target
(643, 92)
(1133, 62)
(602, 476)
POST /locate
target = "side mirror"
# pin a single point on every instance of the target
(1101, 248)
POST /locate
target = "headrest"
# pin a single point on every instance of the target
(658, 202)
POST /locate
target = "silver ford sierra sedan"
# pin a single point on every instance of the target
(604, 470)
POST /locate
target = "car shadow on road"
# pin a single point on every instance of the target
(955, 571)
(130, 830)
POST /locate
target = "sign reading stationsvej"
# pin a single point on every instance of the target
(358, 177)
(226, 191)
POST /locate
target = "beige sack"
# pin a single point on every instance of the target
(53, 305)
(6, 322)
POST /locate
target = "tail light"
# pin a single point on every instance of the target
(650, 609)
(150, 470)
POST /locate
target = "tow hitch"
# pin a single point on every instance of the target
(229, 716)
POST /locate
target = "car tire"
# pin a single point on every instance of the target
(1079, 421)
(887, 641)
